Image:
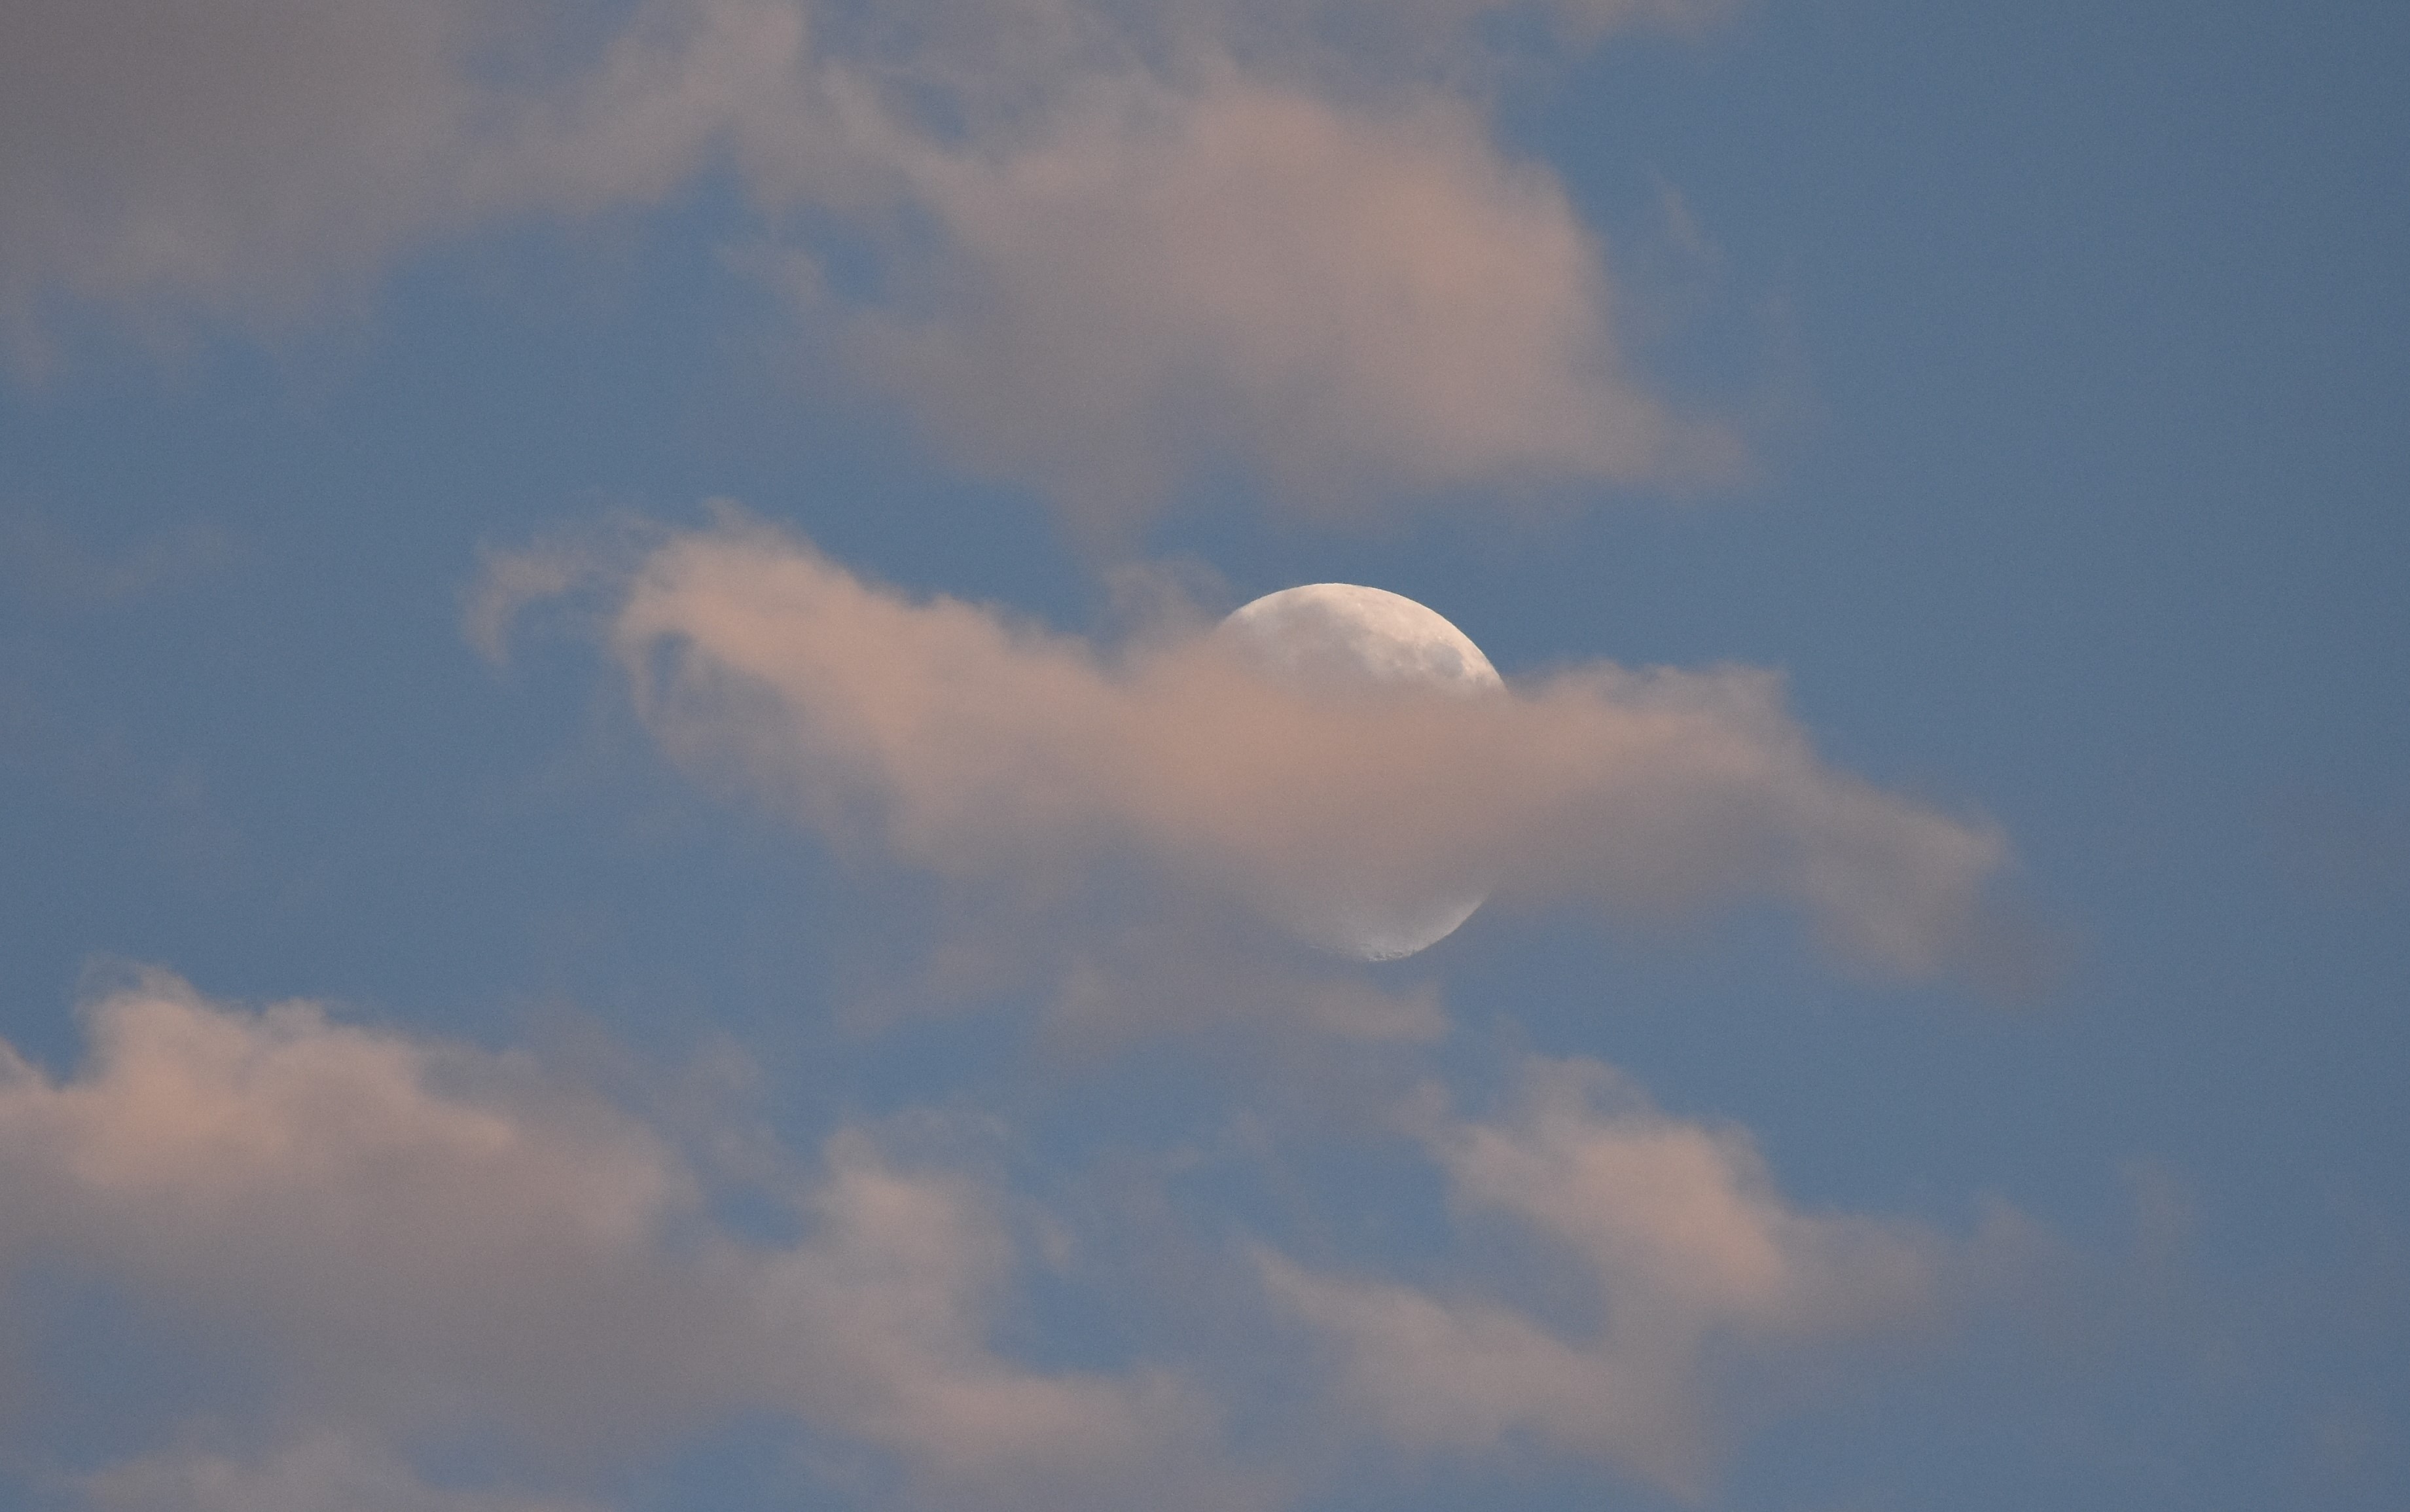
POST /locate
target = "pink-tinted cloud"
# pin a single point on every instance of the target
(359, 1244)
(1135, 243)
(1682, 1243)
(391, 1239)
(248, 157)
(1358, 303)
(955, 739)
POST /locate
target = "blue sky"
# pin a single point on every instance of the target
(1955, 1065)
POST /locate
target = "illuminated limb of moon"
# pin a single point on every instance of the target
(1339, 638)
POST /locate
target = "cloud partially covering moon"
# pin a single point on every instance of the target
(956, 740)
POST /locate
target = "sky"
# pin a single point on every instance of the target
(630, 882)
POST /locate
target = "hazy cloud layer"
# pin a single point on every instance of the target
(949, 738)
(1114, 245)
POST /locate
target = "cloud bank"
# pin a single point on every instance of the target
(349, 1249)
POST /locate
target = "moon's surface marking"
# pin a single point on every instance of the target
(1338, 639)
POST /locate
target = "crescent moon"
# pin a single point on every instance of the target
(1333, 638)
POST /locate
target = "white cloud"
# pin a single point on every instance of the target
(1685, 1250)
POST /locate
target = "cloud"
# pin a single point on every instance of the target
(1687, 1258)
(244, 158)
(366, 1241)
(892, 1296)
(361, 1264)
(398, 1244)
(1116, 248)
(1351, 302)
(957, 740)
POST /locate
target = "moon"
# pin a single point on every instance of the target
(1335, 639)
